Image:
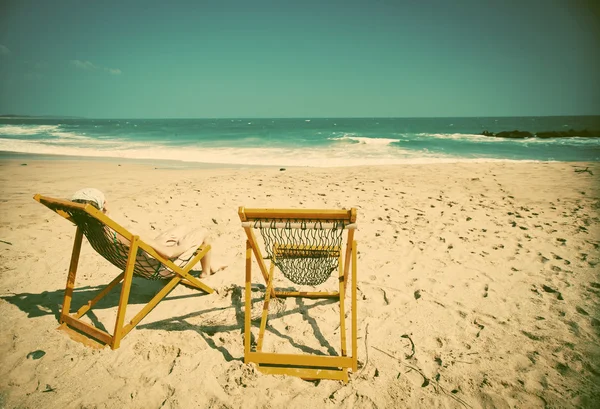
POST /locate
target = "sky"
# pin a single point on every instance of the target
(326, 58)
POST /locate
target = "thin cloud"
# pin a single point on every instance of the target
(89, 66)
(84, 65)
(113, 71)
(4, 50)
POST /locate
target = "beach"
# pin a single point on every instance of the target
(478, 287)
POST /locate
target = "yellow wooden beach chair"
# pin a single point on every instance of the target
(306, 246)
(138, 258)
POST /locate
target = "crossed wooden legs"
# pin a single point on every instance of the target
(302, 365)
(73, 320)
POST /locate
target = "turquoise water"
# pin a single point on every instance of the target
(301, 142)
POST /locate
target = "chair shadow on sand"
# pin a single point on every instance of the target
(207, 330)
(50, 303)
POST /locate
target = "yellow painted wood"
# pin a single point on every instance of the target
(81, 338)
(348, 254)
(283, 247)
(300, 360)
(125, 288)
(62, 207)
(301, 251)
(184, 273)
(100, 216)
(257, 254)
(295, 214)
(308, 294)
(241, 213)
(301, 224)
(90, 304)
(66, 309)
(306, 373)
(90, 330)
(248, 301)
(354, 309)
(58, 206)
(65, 215)
(50, 201)
(342, 307)
(91, 210)
(151, 304)
(353, 215)
(304, 366)
(200, 253)
(265, 311)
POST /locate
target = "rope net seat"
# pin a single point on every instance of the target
(103, 239)
(305, 251)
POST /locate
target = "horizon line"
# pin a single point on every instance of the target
(11, 116)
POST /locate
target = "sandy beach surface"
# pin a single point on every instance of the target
(478, 286)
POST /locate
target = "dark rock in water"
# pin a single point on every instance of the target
(584, 133)
(514, 134)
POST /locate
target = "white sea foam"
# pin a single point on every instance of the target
(45, 131)
(457, 136)
(51, 130)
(344, 155)
(574, 140)
(68, 135)
(27, 129)
(363, 139)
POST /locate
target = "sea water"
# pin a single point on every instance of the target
(301, 141)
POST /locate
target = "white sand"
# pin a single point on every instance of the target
(491, 270)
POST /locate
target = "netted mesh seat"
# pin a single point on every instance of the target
(103, 239)
(305, 251)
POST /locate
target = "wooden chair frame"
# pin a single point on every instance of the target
(68, 320)
(307, 366)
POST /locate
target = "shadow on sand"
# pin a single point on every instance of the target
(142, 291)
(50, 302)
(211, 327)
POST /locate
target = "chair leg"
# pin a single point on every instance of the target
(354, 312)
(124, 299)
(348, 252)
(248, 302)
(265, 311)
(342, 288)
(66, 309)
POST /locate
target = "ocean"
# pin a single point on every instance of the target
(320, 142)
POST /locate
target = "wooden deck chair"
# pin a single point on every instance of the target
(138, 258)
(306, 246)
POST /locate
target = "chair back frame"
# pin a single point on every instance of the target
(302, 365)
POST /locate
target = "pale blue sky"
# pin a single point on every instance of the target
(244, 58)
